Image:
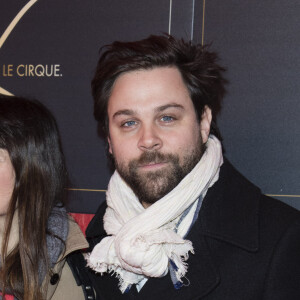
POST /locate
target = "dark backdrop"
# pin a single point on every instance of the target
(257, 41)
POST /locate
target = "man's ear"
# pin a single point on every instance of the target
(205, 123)
(109, 145)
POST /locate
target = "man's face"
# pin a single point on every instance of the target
(154, 135)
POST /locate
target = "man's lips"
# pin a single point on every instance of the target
(152, 165)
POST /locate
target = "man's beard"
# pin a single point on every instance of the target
(150, 186)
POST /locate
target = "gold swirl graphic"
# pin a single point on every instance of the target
(10, 28)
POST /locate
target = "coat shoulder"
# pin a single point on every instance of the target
(277, 219)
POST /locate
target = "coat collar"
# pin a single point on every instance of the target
(230, 210)
(229, 213)
(75, 240)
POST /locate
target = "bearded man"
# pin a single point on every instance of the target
(179, 221)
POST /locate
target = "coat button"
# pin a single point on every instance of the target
(54, 279)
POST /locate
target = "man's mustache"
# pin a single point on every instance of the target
(152, 157)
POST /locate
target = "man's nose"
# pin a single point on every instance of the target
(149, 139)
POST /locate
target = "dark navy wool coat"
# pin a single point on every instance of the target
(247, 247)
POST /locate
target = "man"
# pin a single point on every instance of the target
(179, 221)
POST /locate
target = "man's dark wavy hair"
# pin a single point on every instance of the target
(198, 67)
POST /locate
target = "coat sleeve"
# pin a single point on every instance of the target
(283, 278)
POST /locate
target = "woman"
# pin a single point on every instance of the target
(36, 233)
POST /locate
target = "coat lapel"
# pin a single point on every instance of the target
(229, 213)
(230, 210)
(203, 275)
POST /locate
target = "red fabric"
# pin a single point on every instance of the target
(8, 297)
(82, 220)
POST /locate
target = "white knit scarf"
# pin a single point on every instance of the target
(142, 241)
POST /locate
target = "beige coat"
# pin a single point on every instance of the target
(66, 287)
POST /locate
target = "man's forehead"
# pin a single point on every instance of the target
(156, 89)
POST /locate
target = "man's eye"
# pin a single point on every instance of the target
(167, 118)
(129, 124)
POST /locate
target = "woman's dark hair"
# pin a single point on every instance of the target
(28, 131)
(198, 67)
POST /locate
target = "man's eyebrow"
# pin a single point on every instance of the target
(130, 112)
(126, 112)
(170, 105)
